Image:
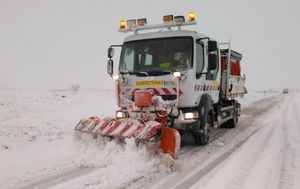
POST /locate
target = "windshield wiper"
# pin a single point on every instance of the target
(159, 72)
(135, 73)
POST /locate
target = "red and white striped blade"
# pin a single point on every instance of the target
(121, 128)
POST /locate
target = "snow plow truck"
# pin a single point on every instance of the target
(169, 82)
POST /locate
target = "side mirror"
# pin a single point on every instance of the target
(212, 46)
(110, 52)
(212, 62)
(110, 66)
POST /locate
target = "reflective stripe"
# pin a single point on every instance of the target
(129, 132)
(206, 87)
(159, 91)
(126, 128)
(166, 91)
(105, 124)
(104, 131)
(136, 131)
(116, 129)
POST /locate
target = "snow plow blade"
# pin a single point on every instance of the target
(120, 128)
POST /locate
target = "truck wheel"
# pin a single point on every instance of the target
(203, 137)
(233, 122)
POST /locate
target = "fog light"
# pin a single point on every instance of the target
(190, 115)
(121, 114)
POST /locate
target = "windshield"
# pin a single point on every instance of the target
(156, 56)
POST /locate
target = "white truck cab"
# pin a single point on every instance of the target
(152, 58)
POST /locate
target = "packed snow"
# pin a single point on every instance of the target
(269, 159)
(37, 141)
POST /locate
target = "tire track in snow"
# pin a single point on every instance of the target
(206, 158)
(192, 152)
(247, 113)
(247, 164)
(264, 135)
(291, 127)
(258, 163)
(264, 155)
(61, 177)
(284, 177)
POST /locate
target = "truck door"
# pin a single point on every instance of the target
(201, 62)
(206, 81)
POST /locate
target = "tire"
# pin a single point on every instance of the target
(233, 122)
(203, 137)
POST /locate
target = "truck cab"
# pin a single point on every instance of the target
(150, 61)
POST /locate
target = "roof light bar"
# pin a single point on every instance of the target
(131, 23)
(157, 26)
(168, 18)
(179, 19)
(169, 22)
(141, 21)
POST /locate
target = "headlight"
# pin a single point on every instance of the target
(121, 114)
(190, 115)
(177, 74)
(115, 77)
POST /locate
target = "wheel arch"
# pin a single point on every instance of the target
(206, 101)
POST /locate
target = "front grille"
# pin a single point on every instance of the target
(169, 97)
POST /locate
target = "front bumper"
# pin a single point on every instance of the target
(192, 126)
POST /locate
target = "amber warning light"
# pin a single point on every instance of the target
(192, 16)
(122, 24)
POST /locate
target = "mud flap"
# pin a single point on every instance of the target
(170, 141)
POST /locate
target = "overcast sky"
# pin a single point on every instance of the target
(52, 44)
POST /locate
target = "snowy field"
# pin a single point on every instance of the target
(37, 144)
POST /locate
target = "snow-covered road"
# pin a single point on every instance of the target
(37, 147)
(269, 159)
(203, 160)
